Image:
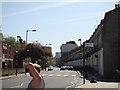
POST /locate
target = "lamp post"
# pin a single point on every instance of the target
(81, 51)
(27, 34)
(83, 70)
(85, 46)
(80, 41)
(27, 40)
(16, 63)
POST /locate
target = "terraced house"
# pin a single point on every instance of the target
(104, 57)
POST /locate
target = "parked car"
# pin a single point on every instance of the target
(62, 67)
(70, 68)
(93, 80)
(50, 68)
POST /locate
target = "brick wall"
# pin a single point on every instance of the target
(110, 42)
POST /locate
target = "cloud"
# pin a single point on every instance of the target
(37, 9)
(79, 17)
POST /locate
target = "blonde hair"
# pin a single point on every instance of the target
(37, 67)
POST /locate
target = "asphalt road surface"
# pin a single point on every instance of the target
(53, 79)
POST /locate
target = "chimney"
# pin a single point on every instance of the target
(117, 5)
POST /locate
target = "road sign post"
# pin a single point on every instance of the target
(85, 45)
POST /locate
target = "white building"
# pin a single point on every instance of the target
(68, 46)
(57, 55)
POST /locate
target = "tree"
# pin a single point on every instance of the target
(36, 52)
(10, 40)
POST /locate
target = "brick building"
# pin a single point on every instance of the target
(8, 54)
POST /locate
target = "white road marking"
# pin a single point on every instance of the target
(44, 74)
(65, 75)
(58, 75)
(75, 80)
(51, 75)
(70, 85)
(16, 86)
(73, 75)
(21, 84)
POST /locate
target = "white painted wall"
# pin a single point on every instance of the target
(68, 47)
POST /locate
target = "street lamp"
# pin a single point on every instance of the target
(27, 40)
(80, 41)
(16, 63)
(85, 45)
(27, 34)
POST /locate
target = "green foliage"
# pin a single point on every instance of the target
(35, 52)
(10, 40)
(53, 63)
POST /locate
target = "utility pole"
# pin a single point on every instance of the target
(83, 63)
(27, 42)
(16, 58)
(80, 41)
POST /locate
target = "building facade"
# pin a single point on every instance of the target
(57, 58)
(65, 49)
(68, 46)
(106, 40)
(111, 42)
(104, 57)
(1, 35)
(8, 55)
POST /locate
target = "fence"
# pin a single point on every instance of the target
(12, 71)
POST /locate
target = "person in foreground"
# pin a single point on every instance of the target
(34, 71)
(29, 54)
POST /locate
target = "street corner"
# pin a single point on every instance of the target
(5, 77)
(99, 85)
(81, 76)
(11, 76)
(119, 86)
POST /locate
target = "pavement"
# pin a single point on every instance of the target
(100, 84)
(10, 76)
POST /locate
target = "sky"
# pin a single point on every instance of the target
(55, 22)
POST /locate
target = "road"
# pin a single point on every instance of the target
(53, 79)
